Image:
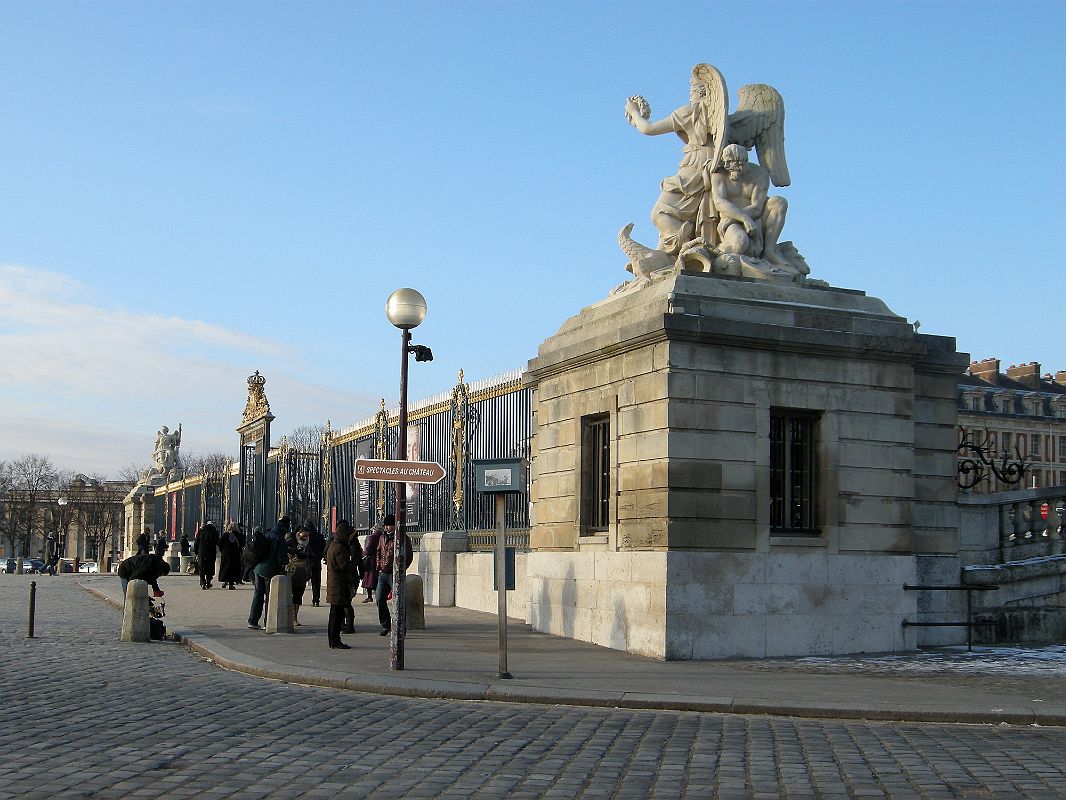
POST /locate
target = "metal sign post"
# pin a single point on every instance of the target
(401, 472)
(501, 580)
(501, 477)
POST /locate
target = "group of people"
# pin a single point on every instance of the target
(284, 550)
(349, 567)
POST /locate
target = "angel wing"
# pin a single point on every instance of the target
(714, 109)
(759, 122)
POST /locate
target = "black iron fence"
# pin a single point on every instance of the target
(487, 419)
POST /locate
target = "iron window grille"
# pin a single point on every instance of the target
(595, 473)
(793, 471)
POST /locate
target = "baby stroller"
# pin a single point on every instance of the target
(157, 609)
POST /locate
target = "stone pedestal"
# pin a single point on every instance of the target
(435, 563)
(687, 373)
(414, 603)
(279, 605)
(135, 625)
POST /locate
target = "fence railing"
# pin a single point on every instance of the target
(486, 419)
(485, 541)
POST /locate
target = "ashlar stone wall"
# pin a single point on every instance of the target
(687, 372)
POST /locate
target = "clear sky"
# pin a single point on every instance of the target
(191, 191)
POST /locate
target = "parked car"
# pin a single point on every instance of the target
(29, 564)
(88, 566)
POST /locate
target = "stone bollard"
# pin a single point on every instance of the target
(279, 605)
(183, 565)
(175, 564)
(135, 627)
(414, 603)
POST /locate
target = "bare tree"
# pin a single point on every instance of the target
(132, 472)
(96, 508)
(306, 438)
(32, 480)
(5, 485)
(206, 463)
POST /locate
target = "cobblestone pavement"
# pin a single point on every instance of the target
(83, 715)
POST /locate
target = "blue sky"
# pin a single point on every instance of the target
(192, 191)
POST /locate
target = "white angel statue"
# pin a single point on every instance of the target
(689, 211)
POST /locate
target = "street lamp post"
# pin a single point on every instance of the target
(405, 308)
(61, 534)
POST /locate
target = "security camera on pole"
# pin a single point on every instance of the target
(405, 308)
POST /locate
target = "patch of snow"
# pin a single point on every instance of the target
(1048, 661)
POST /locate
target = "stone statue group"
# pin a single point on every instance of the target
(166, 461)
(715, 215)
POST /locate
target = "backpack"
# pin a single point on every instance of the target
(256, 551)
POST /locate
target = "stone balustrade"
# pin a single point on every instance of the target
(1025, 523)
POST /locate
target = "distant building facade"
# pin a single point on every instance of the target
(1020, 413)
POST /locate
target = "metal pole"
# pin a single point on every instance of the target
(969, 621)
(501, 579)
(398, 621)
(33, 606)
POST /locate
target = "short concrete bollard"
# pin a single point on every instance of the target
(414, 603)
(135, 627)
(279, 605)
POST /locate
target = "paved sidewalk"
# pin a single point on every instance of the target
(456, 657)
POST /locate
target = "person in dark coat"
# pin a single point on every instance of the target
(142, 567)
(355, 552)
(50, 556)
(242, 537)
(206, 549)
(144, 542)
(271, 559)
(315, 553)
(161, 545)
(183, 544)
(230, 566)
(370, 564)
(385, 557)
(338, 583)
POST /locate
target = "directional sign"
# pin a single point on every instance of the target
(368, 469)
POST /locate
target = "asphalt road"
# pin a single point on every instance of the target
(84, 715)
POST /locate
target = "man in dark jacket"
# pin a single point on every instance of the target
(161, 545)
(271, 561)
(206, 549)
(142, 567)
(144, 542)
(384, 559)
(316, 552)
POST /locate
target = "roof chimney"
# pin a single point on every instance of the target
(987, 370)
(1026, 374)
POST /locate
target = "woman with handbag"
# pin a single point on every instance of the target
(298, 569)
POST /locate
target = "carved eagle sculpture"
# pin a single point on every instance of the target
(758, 122)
